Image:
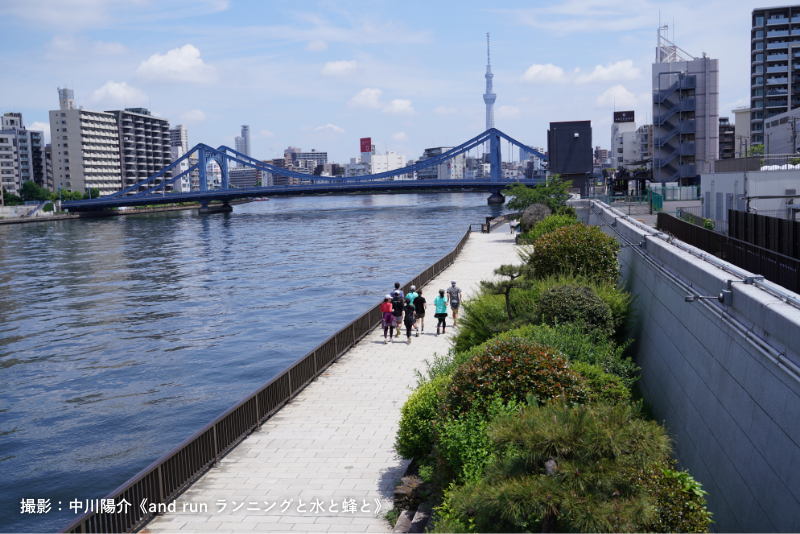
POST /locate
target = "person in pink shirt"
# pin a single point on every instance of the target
(387, 317)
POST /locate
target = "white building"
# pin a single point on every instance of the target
(451, 169)
(179, 137)
(183, 184)
(741, 131)
(643, 143)
(27, 147)
(623, 142)
(85, 147)
(373, 163)
(144, 148)
(357, 168)
(242, 142)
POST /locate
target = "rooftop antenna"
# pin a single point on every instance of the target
(488, 50)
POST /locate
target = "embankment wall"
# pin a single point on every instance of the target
(720, 377)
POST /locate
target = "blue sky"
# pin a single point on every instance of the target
(323, 74)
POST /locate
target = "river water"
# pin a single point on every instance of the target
(121, 337)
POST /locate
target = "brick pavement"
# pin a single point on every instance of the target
(334, 441)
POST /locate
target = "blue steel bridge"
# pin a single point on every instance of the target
(151, 191)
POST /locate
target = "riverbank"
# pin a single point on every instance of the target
(334, 441)
(113, 213)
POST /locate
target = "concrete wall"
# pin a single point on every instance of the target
(733, 410)
(723, 190)
(9, 212)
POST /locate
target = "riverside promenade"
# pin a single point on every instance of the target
(325, 461)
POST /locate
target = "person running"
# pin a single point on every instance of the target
(420, 306)
(454, 299)
(388, 318)
(441, 311)
(397, 310)
(409, 318)
(396, 289)
(413, 294)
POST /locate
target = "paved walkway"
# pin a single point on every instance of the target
(334, 441)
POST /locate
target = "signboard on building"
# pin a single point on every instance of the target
(366, 145)
(623, 116)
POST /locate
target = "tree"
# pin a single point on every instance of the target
(554, 193)
(95, 193)
(567, 468)
(518, 277)
(755, 150)
(11, 199)
(30, 191)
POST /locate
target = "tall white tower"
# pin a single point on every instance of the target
(489, 97)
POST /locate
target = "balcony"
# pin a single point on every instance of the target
(777, 92)
(777, 20)
(778, 68)
(777, 81)
(778, 33)
(777, 57)
(777, 103)
(780, 44)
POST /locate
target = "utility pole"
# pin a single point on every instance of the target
(794, 135)
(2, 196)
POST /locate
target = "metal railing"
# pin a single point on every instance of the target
(165, 478)
(492, 223)
(772, 233)
(693, 215)
(775, 267)
(764, 162)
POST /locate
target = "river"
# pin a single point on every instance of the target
(120, 337)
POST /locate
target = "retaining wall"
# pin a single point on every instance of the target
(720, 377)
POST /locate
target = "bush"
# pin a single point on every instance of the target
(567, 210)
(708, 224)
(484, 316)
(602, 387)
(415, 433)
(577, 250)
(48, 207)
(575, 304)
(532, 215)
(549, 224)
(512, 369)
(565, 470)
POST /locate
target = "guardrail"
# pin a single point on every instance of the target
(492, 223)
(165, 478)
(776, 268)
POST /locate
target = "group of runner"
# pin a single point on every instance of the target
(409, 310)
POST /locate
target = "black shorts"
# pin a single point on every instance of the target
(420, 315)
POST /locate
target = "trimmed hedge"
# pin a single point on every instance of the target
(415, 433)
(575, 304)
(554, 222)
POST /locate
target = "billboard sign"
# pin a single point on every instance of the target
(366, 145)
(623, 116)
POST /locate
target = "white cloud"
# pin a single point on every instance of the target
(617, 96)
(508, 112)
(399, 107)
(331, 127)
(621, 70)
(399, 137)
(543, 74)
(37, 126)
(317, 45)
(339, 68)
(194, 115)
(61, 46)
(444, 110)
(118, 94)
(266, 134)
(367, 98)
(182, 64)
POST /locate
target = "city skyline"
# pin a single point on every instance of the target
(329, 75)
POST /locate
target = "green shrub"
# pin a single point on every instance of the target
(533, 215)
(708, 224)
(549, 224)
(48, 207)
(575, 304)
(484, 316)
(578, 250)
(602, 387)
(567, 210)
(415, 432)
(513, 369)
(565, 469)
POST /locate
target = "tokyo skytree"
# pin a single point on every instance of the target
(489, 97)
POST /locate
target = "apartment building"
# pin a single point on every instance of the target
(9, 161)
(85, 144)
(144, 147)
(451, 169)
(643, 145)
(727, 139)
(178, 136)
(685, 113)
(28, 147)
(623, 139)
(48, 166)
(774, 75)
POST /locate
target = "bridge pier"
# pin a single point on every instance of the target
(496, 198)
(205, 209)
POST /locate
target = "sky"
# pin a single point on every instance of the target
(321, 75)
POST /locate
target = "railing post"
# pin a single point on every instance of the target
(160, 485)
(216, 447)
(258, 416)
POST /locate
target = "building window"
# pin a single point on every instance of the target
(759, 57)
(758, 21)
(758, 104)
(758, 92)
(759, 80)
(758, 69)
(759, 45)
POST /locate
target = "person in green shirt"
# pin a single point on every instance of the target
(441, 311)
(413, 294)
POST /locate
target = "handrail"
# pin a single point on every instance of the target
(166, 477)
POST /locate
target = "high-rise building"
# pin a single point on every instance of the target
(643, 144)
(85, 147)
(144, 147)
(9, 161)
(242, 142)
(179, 137)
(48, 166)
(773, 85)
(306, 162)
(489, 97)
(685, 113)
(623, 138)
(727, 139)
(29, 150)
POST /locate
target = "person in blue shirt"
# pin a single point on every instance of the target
(441, 311)
(396, 289)
(413, 294)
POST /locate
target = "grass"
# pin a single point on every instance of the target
(392, 516)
